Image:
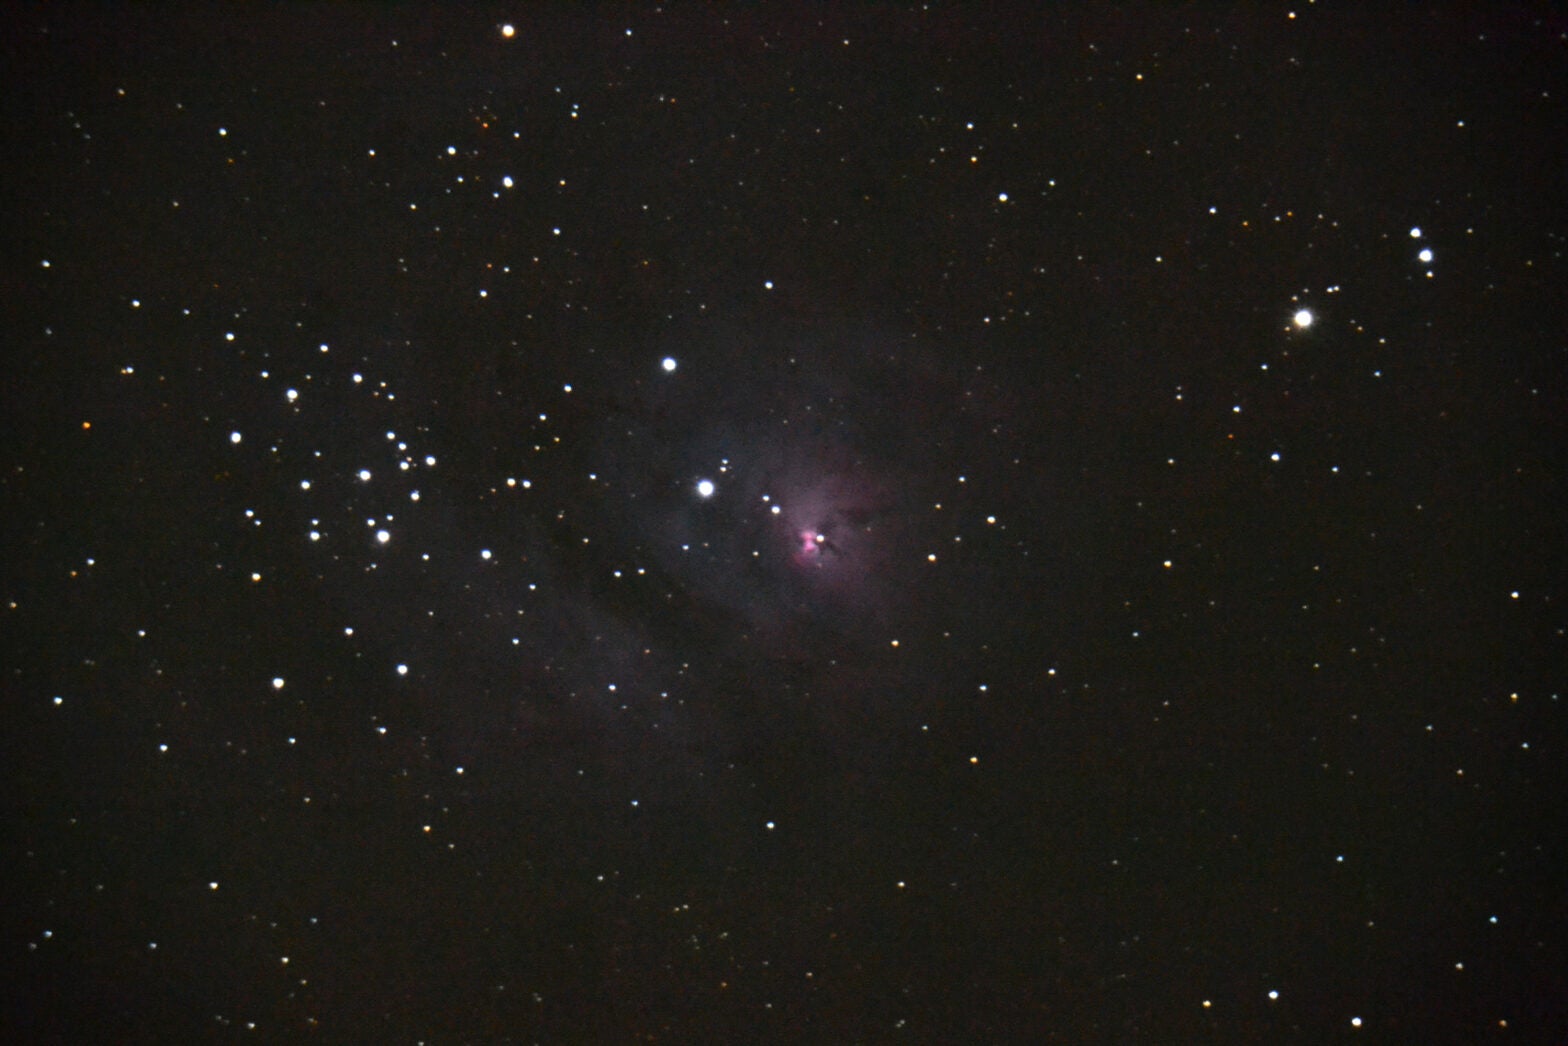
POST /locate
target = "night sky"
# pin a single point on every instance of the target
(822, 524)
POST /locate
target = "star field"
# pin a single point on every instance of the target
(776, 525)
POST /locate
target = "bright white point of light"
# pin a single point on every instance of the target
(255, 576)
(291, 395)
(1513, 595)
(508, 31)
(212, 886)
(402, 670)
(277, 682)
(767, 285)
(1274, 456)
(769, 826)
(1426, 255)
(315, 535)
(430, 461)
(507, 181)
(669, 364)
(1355, 1022)
(235, 437)
(58, 700)
(705, 488)
(1303, 318)
(228, 336)
(383, 536)
(364, 475)
(1273, 996)
(413, 495)
(1001, 197)
(1415, 232)
(484, 553)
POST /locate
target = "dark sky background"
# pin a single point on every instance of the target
(1123, 610)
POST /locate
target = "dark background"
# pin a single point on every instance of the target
(1166, 670)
